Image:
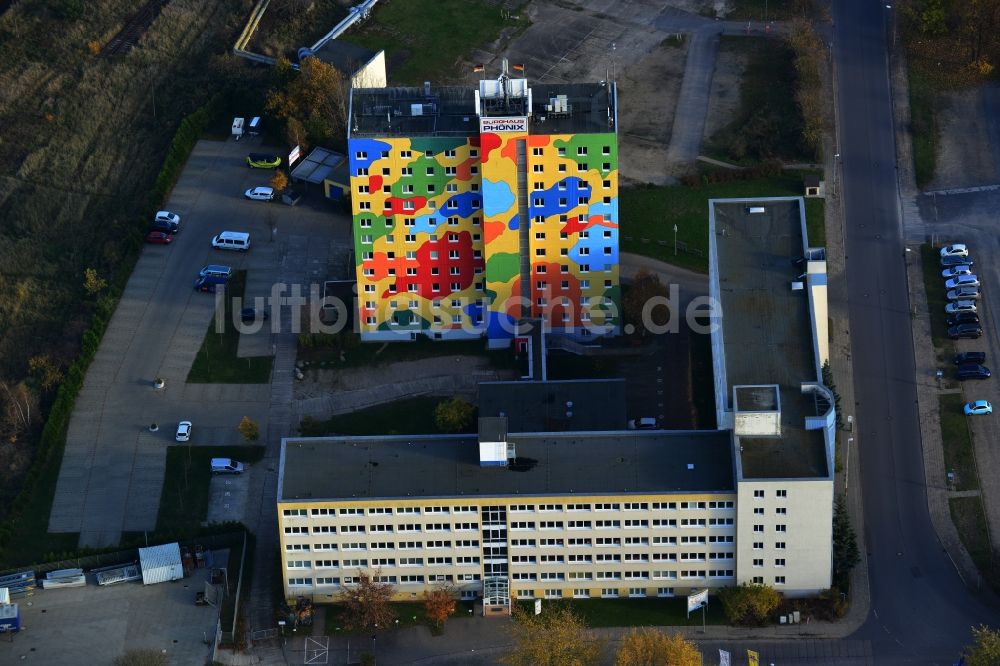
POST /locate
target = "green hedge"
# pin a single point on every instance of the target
(180, 148)
(53, 438)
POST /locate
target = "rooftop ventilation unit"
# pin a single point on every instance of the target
(756, 210)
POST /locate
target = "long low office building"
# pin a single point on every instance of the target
(592, 511)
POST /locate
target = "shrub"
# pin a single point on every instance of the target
(453, 415)
(749, 604)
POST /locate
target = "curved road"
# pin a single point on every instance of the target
(921, 612)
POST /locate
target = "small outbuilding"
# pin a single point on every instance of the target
(814, 186)
(160, 564)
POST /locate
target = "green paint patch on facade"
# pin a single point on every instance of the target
(503, 267)
(436, 145)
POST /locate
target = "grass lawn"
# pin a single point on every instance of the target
(184, 501)
(646, 612)
(959, 454)
(970, 520)
(31, 543)
(326, 351)
(410, 416)
(768, 123)
(770, 10)
(816, 222)
(936, 297)
(217, 362)
(648, 216)
(409, 614)
(420, 45)
(923, 125)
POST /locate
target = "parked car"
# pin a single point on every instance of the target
(263, 161)
(250, 315)
(956, 250)
(226, 466)
(208, 283)
(961, 306)
(290, 197)
(644, 423)
(183, 431)
(167, 216)
(973, 371)
(962, 318)
(216, 270)
(159, 238)
(164, 226)
(978, 407)
(955, 271)
(971, 331)
(970, 280)
(963, 358)
(955, 260)
(260, 193)
(964, 293)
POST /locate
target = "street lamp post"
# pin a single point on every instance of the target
(675, 240)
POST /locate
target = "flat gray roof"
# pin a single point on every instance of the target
(451, 110)
(338, 468)
(318, 165)
(767, 337)
(535, 406)
(348, 58)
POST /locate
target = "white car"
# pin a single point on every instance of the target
(970, 280)
(960, 306)
(956, 250)
(645, 423)
(167, 216)
(955, 271)
(183, 431)
(964, 294)
(260, 193)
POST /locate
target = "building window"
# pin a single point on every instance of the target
(779, 545)
(781, 528)
(758, 511)
(781, 493)
(758, 494)
(779, 580)
(758, 528)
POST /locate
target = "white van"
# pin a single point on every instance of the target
(232, 240)
(226, 466)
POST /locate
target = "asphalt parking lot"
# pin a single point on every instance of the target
(95, 625)
(112, 471)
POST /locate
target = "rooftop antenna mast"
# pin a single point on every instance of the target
(504, 80)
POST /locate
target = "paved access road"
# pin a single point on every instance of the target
(921, 612)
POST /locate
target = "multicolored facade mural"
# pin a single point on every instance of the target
(441, 243)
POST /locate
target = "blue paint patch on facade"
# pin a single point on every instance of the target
(364, 152)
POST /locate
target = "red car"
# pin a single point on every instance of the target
(159, 238)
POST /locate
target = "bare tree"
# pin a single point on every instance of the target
(367, 603)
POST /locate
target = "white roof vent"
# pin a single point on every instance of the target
(690, 465)
(797, 286)
(756, 210)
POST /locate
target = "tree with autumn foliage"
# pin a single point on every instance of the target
(644, 288)
(557, 637)
(367, 603)
(312, 102)
(652, 647)
(279, 181)
(439, 605)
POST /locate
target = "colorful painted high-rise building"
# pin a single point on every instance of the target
(476, 209)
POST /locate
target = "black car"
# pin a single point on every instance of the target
(963, 318)
(973, 371)
(250, 315)
(948, 262)
(966, 358)
(164, 226)
(965, 331)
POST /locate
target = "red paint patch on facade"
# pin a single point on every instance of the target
(575, 226)
(539, 140)
(464, 170)
(374, 183)
(554, 292)
(490, 142)
(425, 279)
(510, 150)
(493, 230)
(397, 206)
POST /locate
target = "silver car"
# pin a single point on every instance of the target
(964, 293)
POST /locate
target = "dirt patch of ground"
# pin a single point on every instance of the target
(648, 91)
(724, 100)
(964, 157)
